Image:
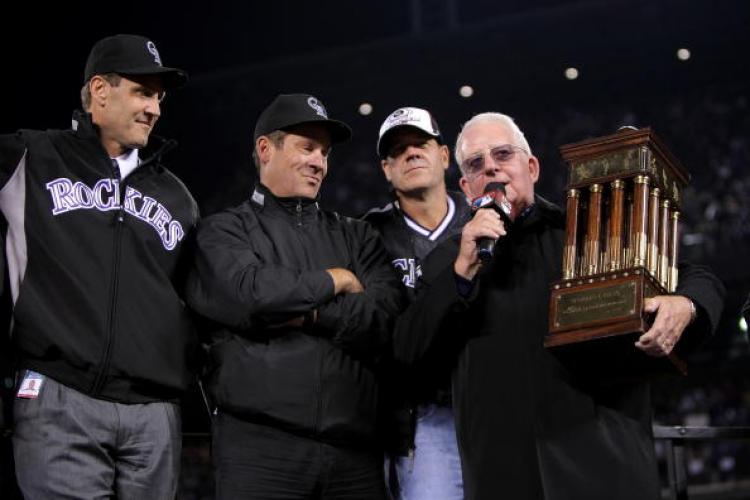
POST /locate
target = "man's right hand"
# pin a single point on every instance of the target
(345, 281)
(485, 224)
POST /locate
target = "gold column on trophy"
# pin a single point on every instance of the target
(617, 223)
(571, 235)
(664, 235)
(623, 199)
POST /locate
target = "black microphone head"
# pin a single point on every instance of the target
(494, 186)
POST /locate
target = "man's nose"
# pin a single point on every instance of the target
(153, 107)
(318, 160)
(412, 150)
(491, 167)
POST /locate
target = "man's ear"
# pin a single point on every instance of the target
(99, 89)
(445, 156)
(263, 148)
(386, 169)
(534, 168)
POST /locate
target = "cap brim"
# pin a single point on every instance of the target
(172, 78)
(340, 131)
(383, 141)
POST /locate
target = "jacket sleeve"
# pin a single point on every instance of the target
(432, 318)
(12, 151)
(700, 284)
(361, 323)
(230, 283)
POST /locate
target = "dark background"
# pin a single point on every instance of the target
(392, 53)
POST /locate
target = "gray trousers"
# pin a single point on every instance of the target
(69, 445)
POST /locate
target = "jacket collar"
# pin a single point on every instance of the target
(543, 210)
(86, 129)
(462, 205)
(263, 198)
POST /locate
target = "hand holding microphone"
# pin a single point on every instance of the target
(491, 214)
(493, 199)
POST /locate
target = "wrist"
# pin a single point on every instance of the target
(310, 318)
(693, 310)
(466, 270)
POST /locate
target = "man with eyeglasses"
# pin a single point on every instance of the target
(423, 213)
(97, 235)
(527, 427)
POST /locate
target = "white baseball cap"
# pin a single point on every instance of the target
(417, 118)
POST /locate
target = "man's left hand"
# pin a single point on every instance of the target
(673, 315)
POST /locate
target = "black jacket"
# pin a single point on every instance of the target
(97, 307)
(528, 426)
(263, 263)
(428, 381)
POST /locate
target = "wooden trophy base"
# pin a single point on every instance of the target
(595, 322)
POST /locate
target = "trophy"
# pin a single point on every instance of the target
(621, 243)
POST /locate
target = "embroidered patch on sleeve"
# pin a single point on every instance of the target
(30, 385)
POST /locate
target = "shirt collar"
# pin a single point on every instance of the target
(127, 162)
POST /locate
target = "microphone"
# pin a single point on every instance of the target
(493, 198)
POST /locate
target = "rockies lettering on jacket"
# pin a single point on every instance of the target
(105, 196)
(411, 270)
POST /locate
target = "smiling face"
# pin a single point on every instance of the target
(296, 166)
(126, 112)
(520, 172)
(415, 161)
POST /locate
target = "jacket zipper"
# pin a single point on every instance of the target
(319, 385)
(319, 390)
(101, 377)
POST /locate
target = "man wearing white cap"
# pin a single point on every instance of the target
(422, 214)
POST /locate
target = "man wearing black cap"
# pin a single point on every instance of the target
(97, 229)
(305, 300)
(422, 214)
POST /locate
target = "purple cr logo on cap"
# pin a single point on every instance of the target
(315, 104)
(151, 47)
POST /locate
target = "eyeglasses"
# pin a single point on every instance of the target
(499, 154)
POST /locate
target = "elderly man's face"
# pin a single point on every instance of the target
(415, 162)
(297, 166)
(519, 172)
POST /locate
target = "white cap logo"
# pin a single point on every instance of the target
(317, 106)
(414, 117)
(151, 47)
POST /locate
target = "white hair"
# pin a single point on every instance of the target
(500, 118)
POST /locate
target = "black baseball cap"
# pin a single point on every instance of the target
(416, 118)
(288, 110)
(130, 55)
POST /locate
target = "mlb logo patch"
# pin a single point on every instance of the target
(30, 385)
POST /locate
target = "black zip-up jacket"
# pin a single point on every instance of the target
(95, 264)
(263, 263)
(528, 423)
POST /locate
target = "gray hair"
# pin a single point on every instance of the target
(277, 139)
(113, 78)
(500, 118)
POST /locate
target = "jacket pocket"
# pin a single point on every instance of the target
(269, 381)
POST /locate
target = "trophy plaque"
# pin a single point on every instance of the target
(621, 243)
